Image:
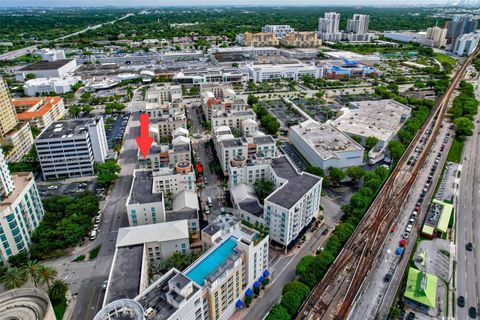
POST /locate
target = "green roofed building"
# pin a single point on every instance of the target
(421, 288)
(445, 215)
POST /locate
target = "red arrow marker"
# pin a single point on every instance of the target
(144, 141)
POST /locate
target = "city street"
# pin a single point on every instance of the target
(468, 225)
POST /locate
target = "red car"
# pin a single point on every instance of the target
(403, 242)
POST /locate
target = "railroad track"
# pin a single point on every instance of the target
(356, 259)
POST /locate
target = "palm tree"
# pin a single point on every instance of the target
(33, 271)
(14, 278)
(57, 291)
(47, 275)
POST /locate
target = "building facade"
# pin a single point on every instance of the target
(306, 39)
(466, 44)
(279, 30)
(40, 112)
(291, 71)
(461, 24)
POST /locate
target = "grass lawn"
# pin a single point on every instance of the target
(455, 152)
(94, 252)
(441, 57)
(59, 310)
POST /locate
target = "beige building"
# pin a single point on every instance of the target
(261, 39)
(438, 35)
(305, 39)
(39, 112)
(8, 116)
(26, 304)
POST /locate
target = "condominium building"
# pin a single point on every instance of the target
(70, 148)
(167, 155)
(39, 112)
(466, 44)
(21, 210)
(328, 27)
(358, 24)
(324, 146)
(461, 24)
(306, 39)
(292, 71)
(17, 136)
(293, 204)
(438, 35)
(280, 30)
(41, 86)
(161, 94)
(261, 39)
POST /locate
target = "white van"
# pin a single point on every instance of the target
(93, 235)
(209, 201)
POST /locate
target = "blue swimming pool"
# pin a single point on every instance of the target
(210, 263)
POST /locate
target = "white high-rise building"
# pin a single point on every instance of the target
(279, 30)
(466, 44)
(328, 27)
(358, 24)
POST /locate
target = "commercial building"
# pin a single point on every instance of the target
(26, 304)
(416, 37)
(380, 119)
(41, 86)
(261, 39)
(461, 24)
(328, 27)
(47, 69)
(306, 39)
(70, 148)
(211, 75)
(291, 207)
(21, 211)
(291, 71)
(438, 35)
(352, 56)
(324, 146)
(348, 69)
(39, 112)
(17, 136)
(280, 30)
(421, 290)
(51, 54)
(466, 44)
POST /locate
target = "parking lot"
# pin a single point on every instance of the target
(318, 109)
(47, 189)
(115, 129)
(285, 115)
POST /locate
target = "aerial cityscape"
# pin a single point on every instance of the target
(234, 160)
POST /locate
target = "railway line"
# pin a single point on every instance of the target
(333, 297)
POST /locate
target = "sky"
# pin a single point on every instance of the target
(97, 3)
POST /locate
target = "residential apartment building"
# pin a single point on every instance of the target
(328, 27)
(466, 44)
(291, 71)
(293, 204)
(39, 112)
(358, 24)
(324, 146)
(261, 39)
(21, 211)
(167, 155)
(70, 148)
(438, 35)
(280, 30)
(306, 39)
(461, 24)
(14, 135)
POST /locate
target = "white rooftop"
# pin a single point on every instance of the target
(157, 232)
(350, 55)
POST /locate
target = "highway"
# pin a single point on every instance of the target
(23, 51)
(334, 296)
(468, 225)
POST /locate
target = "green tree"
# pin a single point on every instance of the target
(278, 312)
(396, 149)
(298, 287)
(30, 76)
(463, 127)
(371, 142)
(19, 260)
(58, 291)
(13, 278)
(107, 173)
(336, 175)
(291, 301)
(237, 133)
(47, 274)
(87, 109)
(263, 188)
(74, 111)
(252, 99)
(33, 272)
(393, 87)
(355, 173)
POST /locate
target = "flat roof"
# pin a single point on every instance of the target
(421, 287)
(211, 229)
(142, 189)
(67, 128)
(21, 181)
(350, 55)
(298, 184)
(443, 221)
(46, 65)
(325, 140)
(157, 232)
(236, 142)
(124, 281)
(379, 118)
(263, 140)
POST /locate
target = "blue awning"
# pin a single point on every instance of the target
(239, 304)
(266, 274)
(256, 284)
(261, 279)
(249, 292)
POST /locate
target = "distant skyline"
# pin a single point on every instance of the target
(139, 3)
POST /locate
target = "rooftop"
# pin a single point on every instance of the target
(421, 287)
(142, 189)
(37, 107)
(236, 142)
(67, 128)
(124, 280)
(21, 181)
(157, 232)
(326, 140)
(45, 65)
(263, 140)
(380, 119)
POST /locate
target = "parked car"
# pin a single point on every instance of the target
(472, 312)
(469, 246)
(93, 235)
(461, 301)
(387, 277)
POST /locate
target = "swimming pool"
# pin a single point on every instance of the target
(209, 264)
